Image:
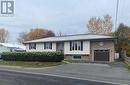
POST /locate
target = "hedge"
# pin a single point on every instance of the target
(33, 56)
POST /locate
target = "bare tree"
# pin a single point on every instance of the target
(4, 35)
(98, 25)
(22, 37)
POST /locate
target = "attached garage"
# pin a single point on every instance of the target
(101, 55)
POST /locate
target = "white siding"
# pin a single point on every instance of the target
(40, 47)
(86, 48)
(27, 47)
(4, 49)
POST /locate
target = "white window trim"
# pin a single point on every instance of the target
(74, 46)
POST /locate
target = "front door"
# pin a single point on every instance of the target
(60, 46)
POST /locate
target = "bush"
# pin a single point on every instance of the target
(33, 56)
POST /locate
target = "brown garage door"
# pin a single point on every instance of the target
(101, 55)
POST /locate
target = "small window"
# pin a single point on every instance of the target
(32, 45)
(77, 57)
(48, 45)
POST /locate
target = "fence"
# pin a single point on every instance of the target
(127, 59)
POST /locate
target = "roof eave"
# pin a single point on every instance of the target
(69, 40)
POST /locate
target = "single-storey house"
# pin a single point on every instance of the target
(81, 47)
(9, 47)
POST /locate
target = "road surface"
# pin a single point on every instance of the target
(16, 78)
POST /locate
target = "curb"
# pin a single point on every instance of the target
(7, 66)
(19, 67)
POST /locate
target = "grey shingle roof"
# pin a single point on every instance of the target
(72, 37)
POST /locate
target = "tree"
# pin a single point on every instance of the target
(50, 34)
(98, 25)
(123, 35)
(4, 34)
(22, 37)
(35, 34)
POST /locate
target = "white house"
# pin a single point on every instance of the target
(8, 47)
(82, 47)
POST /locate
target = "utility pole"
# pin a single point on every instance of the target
(116, 19)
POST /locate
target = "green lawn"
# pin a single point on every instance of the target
(31, 64)
(128, 66)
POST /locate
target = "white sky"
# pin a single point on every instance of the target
(67, 16)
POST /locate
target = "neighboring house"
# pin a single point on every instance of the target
(8, 47)
(83, 47)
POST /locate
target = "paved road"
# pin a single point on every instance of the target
(16, 78)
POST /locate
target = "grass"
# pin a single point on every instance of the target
(31, 64)
(128, 65)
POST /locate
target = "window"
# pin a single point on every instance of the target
(76, 57)
(32, 45)
(76, 45)
(48, 45)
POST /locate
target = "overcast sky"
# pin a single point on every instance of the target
(67, 16)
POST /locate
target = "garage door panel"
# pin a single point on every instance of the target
(101, 55)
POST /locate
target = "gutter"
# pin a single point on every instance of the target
(26, 42)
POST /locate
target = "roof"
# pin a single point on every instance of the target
(72, 37)
(9, 45)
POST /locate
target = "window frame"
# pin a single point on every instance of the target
(47, 45)
(76, 46)
(32, 46)
(80, 57)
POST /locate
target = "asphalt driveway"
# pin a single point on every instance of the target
(116, 72)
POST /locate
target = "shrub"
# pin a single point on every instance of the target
(33, 56)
